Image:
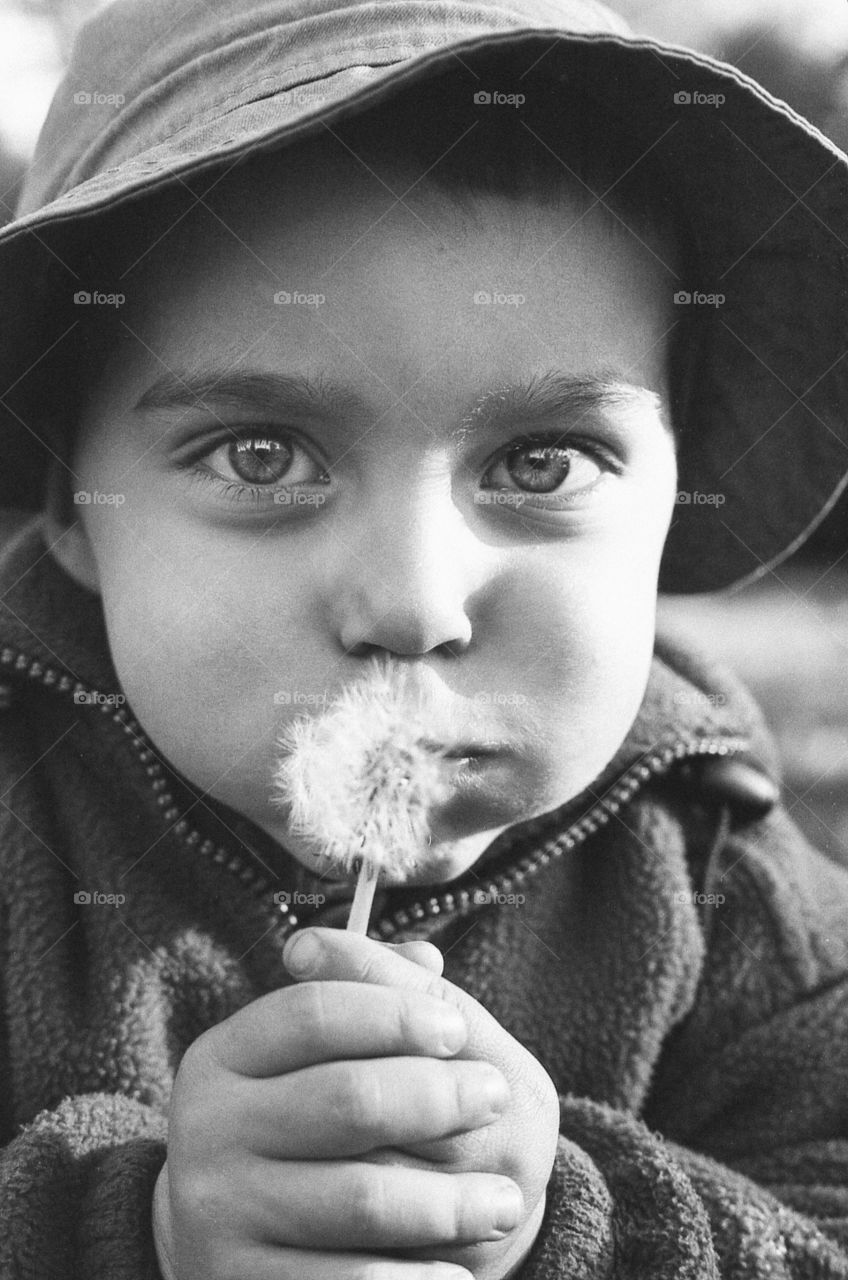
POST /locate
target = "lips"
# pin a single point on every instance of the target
(464, 750)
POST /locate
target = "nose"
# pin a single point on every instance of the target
(403, 585)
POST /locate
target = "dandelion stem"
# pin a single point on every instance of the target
(363, 897)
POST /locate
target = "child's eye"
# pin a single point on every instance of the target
(263, 461)
(542, 468)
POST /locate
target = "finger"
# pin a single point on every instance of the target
(342, 1109)
(299, 1026)
(274, 1263)
(422, 953)
(337, 955)
(358, 1205)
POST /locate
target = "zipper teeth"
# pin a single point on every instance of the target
(460, 899)
(631, 781)
(216, 853)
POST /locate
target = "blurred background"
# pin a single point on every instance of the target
(786, 636)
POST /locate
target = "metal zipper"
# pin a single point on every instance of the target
(458, 899)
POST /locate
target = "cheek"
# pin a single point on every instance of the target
(202, 637)
(586, 613)
(583, 632)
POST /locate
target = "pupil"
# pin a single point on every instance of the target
(260, 461)
(544, 469)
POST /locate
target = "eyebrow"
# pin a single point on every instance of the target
(544, 395)
(254, 388)
(553, 393)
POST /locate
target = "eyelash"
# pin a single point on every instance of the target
(241, 491)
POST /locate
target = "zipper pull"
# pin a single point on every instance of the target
(739, 781)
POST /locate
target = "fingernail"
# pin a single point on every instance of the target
(507, 1207)
(493, 1087)
(451, 1029)
(301, 954)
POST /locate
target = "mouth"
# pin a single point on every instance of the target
(470, 750)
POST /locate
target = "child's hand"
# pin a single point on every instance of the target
(520, 1144)
(283, 1115)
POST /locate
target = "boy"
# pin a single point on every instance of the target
(352, 399)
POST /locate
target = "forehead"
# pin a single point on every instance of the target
(391, 283)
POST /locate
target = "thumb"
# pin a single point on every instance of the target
(421, 953)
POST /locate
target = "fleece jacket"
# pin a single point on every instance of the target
(678, 964)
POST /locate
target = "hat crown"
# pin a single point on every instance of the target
(137, 78)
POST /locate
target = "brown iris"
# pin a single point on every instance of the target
(541, 468)
(259, 460)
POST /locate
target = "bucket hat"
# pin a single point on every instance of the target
(172, 90)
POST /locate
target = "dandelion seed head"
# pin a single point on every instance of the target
(360, 779)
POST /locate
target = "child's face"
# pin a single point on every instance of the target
(520, 586)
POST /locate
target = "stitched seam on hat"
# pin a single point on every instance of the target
(403, 52)
(232, 102)
(834, 201)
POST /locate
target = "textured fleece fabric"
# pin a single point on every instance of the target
(700, 1051)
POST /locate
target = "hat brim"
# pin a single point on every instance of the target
(764, 448)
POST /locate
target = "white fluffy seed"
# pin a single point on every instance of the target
(360, 778)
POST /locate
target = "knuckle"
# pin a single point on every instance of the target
(356, 1099)
(437, 987)
(367, 1270)
(366, 1201)
(407, 1017)
(450, 1212)
(214, 1050)
(544, 1091)
(206, 1112)
(198, 1057)
(308, 1016)
(204, 1198)
(416, 1007)
(463, 1088)
(372, 968)
(526, 1076)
